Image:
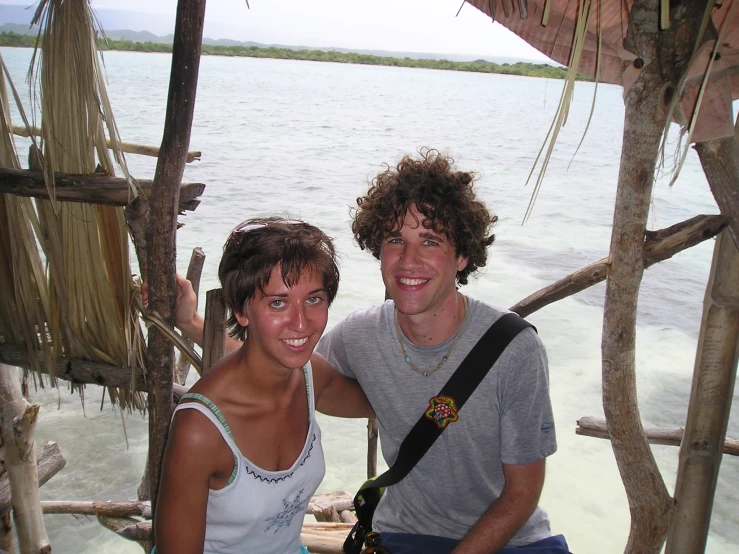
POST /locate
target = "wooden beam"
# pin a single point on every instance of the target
(80, 371)
(109, 509)
(162, 249)
(127, 147)
(658, 246)
(589, 426)
(89, 189)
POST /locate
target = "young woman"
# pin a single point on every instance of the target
(244, 452)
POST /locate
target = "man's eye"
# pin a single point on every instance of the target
(315, 300)
(429, 242)
(277, 303)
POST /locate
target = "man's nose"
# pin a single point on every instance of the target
(409, 257)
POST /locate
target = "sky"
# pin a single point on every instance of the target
(398, 25)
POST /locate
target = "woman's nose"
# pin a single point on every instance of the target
(297, 318)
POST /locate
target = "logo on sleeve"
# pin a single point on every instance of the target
(546, 427)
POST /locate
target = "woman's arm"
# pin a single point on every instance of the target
(179, 521)
(337, 395)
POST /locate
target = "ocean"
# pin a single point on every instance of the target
(304, 139)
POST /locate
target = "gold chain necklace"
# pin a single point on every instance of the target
(444, 358)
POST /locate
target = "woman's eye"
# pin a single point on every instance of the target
(277, 303)
(315, 300)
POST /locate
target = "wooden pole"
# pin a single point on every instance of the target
(214, 328)
(715, 371)
(720, 160)
(183, 82)
(18, 430)
(372, 434)
(49, 462)
(194, 272)
(665, 55)
(127, 147)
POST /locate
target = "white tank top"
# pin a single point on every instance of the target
(259, 511)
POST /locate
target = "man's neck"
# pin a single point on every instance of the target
(431, 329)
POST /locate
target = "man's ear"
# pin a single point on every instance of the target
(462, 262)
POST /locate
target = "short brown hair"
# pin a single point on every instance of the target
(257, 246)
(443, 195)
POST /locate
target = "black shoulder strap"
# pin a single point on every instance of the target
(457, 390)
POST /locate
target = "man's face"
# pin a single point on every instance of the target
(419, 267)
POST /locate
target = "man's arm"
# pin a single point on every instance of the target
(502, 520)
(186, 317)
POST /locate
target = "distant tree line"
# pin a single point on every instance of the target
(477, 66)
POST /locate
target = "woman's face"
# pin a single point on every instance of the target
(284, 323)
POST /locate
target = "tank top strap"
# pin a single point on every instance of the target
(208, 408)
(308, 375)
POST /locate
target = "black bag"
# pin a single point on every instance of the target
(453, 395)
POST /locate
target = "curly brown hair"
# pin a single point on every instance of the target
(443, 195)
(257, 246)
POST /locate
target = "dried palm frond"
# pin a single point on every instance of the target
(86, 246)
(25, 315)
(686, 134)
(584, 13)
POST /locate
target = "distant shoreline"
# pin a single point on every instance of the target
(526, 69)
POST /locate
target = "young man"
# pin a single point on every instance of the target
(477, 488)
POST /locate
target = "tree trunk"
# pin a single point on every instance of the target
(665, 54)
(18, 428)
(164, 200)
(715, 372)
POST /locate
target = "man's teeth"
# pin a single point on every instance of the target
(412, 282)
(296, 342)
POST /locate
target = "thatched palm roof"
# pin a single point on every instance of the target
(555, 38)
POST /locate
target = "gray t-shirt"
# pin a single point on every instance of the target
(507, 420)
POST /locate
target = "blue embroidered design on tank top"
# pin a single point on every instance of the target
(289, 510)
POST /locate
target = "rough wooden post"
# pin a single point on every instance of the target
(194, 271)
(372, 434)
(18, 428)
(214, 328)
(720, 160)
(715, 368)
(183, 81)
(665, 55)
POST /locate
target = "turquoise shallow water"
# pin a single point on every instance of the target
(303, 139)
